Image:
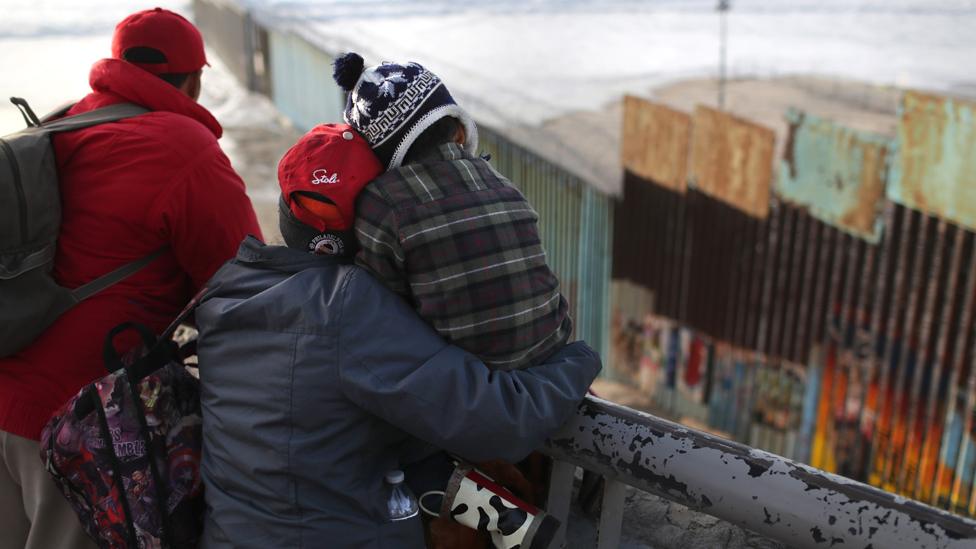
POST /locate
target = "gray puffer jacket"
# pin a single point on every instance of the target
(317, 380)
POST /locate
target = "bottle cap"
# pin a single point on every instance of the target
(394, 477)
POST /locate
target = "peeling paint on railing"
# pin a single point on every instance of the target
(776, 497)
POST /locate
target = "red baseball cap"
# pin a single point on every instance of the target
(170, 33)
(322, 174)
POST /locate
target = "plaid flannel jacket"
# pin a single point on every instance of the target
(458, 241)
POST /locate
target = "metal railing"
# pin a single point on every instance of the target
(781, 499)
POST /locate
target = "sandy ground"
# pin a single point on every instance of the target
(858, 105)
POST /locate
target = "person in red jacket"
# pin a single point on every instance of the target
(157, 180)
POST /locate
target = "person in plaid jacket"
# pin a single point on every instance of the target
(442, 228)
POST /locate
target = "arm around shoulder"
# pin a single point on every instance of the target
(396, 367)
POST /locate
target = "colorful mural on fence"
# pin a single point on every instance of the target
(838, 331)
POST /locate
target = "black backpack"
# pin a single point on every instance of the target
(30, 217)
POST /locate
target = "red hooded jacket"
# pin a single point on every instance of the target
(127, 188)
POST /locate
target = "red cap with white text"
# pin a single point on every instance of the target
(323, 173)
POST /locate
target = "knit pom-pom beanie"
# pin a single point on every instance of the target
(346, 70)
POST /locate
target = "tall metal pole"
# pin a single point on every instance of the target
(723, 10)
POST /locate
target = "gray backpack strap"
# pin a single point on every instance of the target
(85, 291)
(111, 113)
(26, 111)
(58, 112)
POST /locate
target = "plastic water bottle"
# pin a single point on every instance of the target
(400, 501)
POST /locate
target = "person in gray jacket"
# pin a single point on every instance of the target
(316, 380)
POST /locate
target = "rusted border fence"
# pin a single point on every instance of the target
(786, 501)
(836, 326)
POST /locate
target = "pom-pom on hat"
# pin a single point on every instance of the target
(179, 42)
(392, 104)
(320, 177)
